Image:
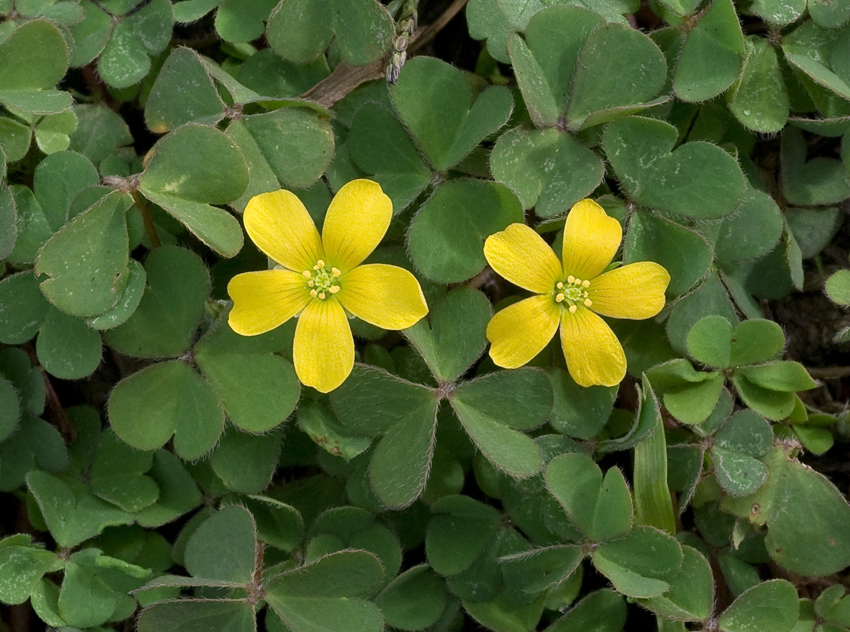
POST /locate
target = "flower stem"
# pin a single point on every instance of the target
(150, 227)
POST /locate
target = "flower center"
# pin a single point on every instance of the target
(571, 292)
(322, 281)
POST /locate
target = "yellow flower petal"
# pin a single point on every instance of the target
(265, 300)
(323, 351)
(520, 331)
(634, 291)
(591, 239)
(384, 295)
(357, 220)
(593, 353)
(521, 256)
(283, 229)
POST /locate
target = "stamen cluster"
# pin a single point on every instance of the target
(572, 292)
(321, 281)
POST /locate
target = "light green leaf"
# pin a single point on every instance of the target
(783, 376)
(710, 341)
(691, 594)
(653, 506)
(490, 425)
(21, 569)
(128, 302)
(838, 287)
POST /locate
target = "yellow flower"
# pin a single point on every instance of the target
(571, 294)
(321, 278)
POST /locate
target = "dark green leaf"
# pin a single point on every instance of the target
(698, 179)
(164, 399)
(458, 533)
(447, 347)
(87, 260)
(447, 235)
(165, 321)
(600, 507)
(380, 145)
(579, 412)
(547, 169)
(414, 600)
(771, 606)
(435, 102)
(601, 611)
(618, 66)
(66, 347)
(642, 564)
(182, 93)
(234, 563)
(235, 615)
(683, 252)
(329, 595)
(712, 55)
(22, 308)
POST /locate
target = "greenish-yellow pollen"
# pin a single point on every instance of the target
(321, 281)
(571, 293)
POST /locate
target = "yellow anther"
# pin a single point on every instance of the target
(307, 274)
(310, 283)
(585, 283)
(573, 309)
(313, 293)
(559, 298)
(588, 302)
(333, 289)
(322, 295)
(577, 281)
(335, 272)
(584, 294)
(559, 285)
(571, 279)
(319, 265)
